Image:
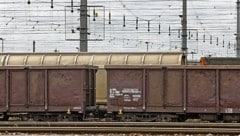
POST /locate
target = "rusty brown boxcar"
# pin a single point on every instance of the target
(93, 58)
(159, 93)
(42, 93)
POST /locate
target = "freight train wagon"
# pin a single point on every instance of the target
(173, 93)
(46, 92)
(93, 58)
(220, 61)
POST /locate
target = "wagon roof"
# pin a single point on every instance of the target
(92, 58)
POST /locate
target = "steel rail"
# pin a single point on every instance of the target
(118, 124)
(141, 130)
(120, 127)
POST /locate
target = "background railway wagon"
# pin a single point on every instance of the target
(93, 58)
(174, 92)
(46, 89)
(219, 61)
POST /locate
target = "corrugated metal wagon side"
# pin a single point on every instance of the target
(212, 92)
(37, 90)
(70, 89)
(125, 89)
(166, 93)
(145, 92)
(94, 58)
(229, 90)
(164, 89)
(201, 89)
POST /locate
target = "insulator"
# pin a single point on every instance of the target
(229, 44)
(72, 6)
(124, 23)
(94, 15)
(34, 45)
(73, 30)
(148, 25)
(223, 41)
(51, 3)
(137, 23)
(28, 2)
(203, 37)
(189, 34)
(159, 28)
(197, 36)
(210, 39)
(217, 41)
(109, 16)
(169, 30)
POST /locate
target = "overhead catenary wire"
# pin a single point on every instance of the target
(135, 17)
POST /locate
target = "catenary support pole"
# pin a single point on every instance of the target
(238, 29)
(34, 45)
(83, 27)
(184, 27)
(2, 43)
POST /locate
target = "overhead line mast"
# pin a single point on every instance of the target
(83, 44)
(238, 29)
(184, 27)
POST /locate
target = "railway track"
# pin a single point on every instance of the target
(113, 127)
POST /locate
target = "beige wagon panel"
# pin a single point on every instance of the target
(135, 59)
(15, 60)
(67, 60)
(117, 59)
(152, 59)
(84, 60)
(2, 60)
(51, 60)
(147, 58)
(101, 86)
(35, 60)
(100, 59)
(171, 59)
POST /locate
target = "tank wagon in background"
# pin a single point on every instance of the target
(173, 93)
(46, 93)
(96, 59)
